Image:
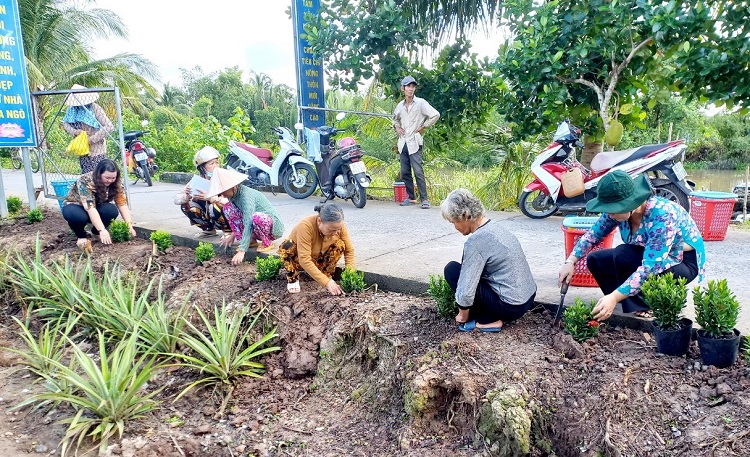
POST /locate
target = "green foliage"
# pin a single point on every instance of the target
(227, 351)
(267, 268)
(265, 120)
(716, 308)
(48, 348)
(35, 215)
(119, 231)
(106, 394)
(14, 204)
(579, 322)
(204, 252)
(162, 239)
(352, 280)
(442, 293)
(666, 296)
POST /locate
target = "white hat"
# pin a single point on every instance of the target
(223, 180)
(206, 154)
(81, 99)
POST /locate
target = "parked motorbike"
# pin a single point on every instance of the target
(139, 157)
(545, 194)
(348, 174)
(290, 168)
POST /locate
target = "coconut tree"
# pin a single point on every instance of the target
(58, 37)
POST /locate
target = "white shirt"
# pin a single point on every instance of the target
(418, 114)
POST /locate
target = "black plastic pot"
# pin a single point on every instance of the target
(674, 342)
(719, 352)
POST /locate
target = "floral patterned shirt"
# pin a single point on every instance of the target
(83, 193)
(665, 227)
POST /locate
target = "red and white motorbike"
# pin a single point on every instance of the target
(545, 195)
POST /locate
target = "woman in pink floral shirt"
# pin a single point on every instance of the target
(659, 236)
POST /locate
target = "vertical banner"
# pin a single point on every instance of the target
(310, 91)
(16, 115)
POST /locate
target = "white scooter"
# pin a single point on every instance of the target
(290, 168)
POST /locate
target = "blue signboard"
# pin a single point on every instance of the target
(309, 67)
(16, 114)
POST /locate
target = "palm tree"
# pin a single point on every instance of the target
(174, 97)
(441, 18)
(262, 85)
(57, 37)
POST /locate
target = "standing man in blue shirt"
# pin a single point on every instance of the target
(411, 117)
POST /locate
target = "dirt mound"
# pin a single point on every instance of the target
(379, 373)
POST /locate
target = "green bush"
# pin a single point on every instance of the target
(204, 252)
(267, 268)
(14, 204)
(716, 308)
(666, 296)
(351, 280)
(579, 322)
(162, 239)
(442, 293)
(35, 215)
(119, 231)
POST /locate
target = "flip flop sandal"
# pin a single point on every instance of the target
(268, 248)
(293, 287)
(407, 202)
(468, 326)
(644, 314)
(489, 329)
(426, 205)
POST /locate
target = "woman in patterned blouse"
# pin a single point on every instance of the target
(90, 201)
(659, 236)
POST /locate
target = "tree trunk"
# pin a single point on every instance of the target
(590, 149)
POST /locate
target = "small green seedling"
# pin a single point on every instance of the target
(35, 215)
(267, 268)
(14, 204)
(204, 252)
(119, 231)
(162, 239)
(579, 321)
(352, 280)
(442, 293)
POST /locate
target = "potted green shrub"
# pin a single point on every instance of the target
(667, 296)
(716, 311)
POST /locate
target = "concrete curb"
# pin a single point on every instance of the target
(388, 282)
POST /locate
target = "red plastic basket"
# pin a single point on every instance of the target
(712, 215)
(582, 276)
(399, 192)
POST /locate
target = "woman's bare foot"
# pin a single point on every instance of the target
(645, 314)
(490, 327)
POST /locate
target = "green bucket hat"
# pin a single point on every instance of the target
(617, 193)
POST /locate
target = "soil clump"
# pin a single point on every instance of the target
(380, 373)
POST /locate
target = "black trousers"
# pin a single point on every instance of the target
(77, 217)
(611, 267)
(487, 307)
(409, 162)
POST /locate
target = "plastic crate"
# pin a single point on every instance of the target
(712, 212)
(61, 189)
(573, 228)
(399, 192)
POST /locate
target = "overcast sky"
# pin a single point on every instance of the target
(251, 34)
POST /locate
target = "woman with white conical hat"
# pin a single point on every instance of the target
(85, 115)
(249, 213)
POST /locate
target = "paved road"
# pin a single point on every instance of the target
(400, 247)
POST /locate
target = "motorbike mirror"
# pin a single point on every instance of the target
(298, 126)
(144, 122)
(340, 116)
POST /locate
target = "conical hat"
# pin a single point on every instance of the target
(223, 180)
(81, 99)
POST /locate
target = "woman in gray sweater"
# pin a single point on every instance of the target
(493, 284)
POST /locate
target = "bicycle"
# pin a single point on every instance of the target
(17, 159)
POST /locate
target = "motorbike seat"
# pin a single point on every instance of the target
(132, 135)
(263, 154)
(608, 159)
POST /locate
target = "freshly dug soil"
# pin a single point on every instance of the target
(380, 373)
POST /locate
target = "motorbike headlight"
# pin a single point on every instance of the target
(151, 152)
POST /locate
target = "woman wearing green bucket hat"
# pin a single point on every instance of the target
(658, 236)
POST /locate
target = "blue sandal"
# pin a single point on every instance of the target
(468, 326)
